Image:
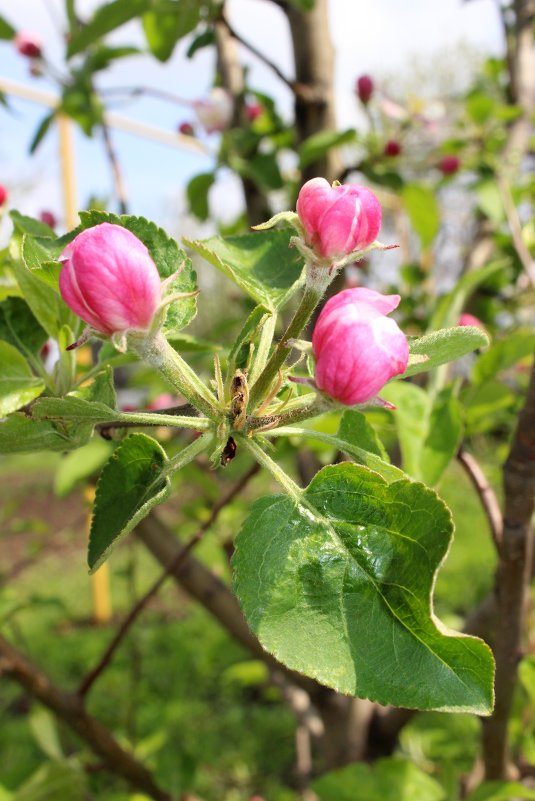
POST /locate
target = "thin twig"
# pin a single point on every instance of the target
(90, 678)
(137, 91)
(486, 494)
(68, 707)
(261, 57)
(184, 410)
(118, 180)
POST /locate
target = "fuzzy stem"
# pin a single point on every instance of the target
(157, 351)
(272, 467)
(264, 344)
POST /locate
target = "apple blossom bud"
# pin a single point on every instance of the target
(28, 44)
(215, 111)
(364, 88)
(392, 148)
(48, 218)
(252, 111)
(186, 128)
(3, 195)
(470, 319)
(338, 219)
(448, 165)
(357, 348)
(109, 279)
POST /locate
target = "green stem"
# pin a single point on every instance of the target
(157, 351)
(277, 472)
(188, 454)
(317, 407)
(150, 419)
(318, 279)
(262, 354)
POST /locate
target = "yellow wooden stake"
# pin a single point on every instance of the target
(68, 175)
(100, 581)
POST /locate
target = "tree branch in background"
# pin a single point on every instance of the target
(68, 707)
(511, 583)
(181, 556)
(486, 494)
(117, 175)
(516, 229)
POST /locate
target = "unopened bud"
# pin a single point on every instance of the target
(29, 44)
(215, 111)
(448, 165)
(392, 148)
(364, 88)
(48, 218)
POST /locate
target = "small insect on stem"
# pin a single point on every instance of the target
(239, 392)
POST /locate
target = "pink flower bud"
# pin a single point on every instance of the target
(470, 319)
(28, 44)
(392, 148)
(48, 218)
(215, 112)
(252, 111)
(364, 88)
(338, 219)
(3, 195)
(186, 128)
(109, 279)
(357, 348)
(448, 165)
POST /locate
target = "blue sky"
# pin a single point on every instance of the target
(373, 36)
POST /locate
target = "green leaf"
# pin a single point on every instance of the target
(106, 18)
(45, 303)
(355, 429)
(80, 465)
(19, 327)
(42, 130)
(261, 264)
(429, 433)
(197, 194)
(387, 779)
(503, 354)
(18, 385)
(490, 201)
(240, 350)
(423, 211)
(54, 781)
(7, 31)
(339, 587)
(480, 107)
(487, 405)
(262, 168)
(451, 305)
(129, 486)
(90, 405)
(303, 5)
(316, 146)
(36, 228)
(102, 56)
(204, 39)
(444, 346)
(45, 733)
(501, 791)
(167, 22)
(20, 434)
(167, 256)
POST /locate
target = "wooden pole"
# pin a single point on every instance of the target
(68, 173)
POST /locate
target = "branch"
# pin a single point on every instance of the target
(68, 707)
(174, 565)
(486, 494)
(513, 220)
(511, 583)
(260, 56)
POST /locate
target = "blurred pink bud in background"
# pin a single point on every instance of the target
(109, 279)
(364, 88)
(448, 165)
(470, 319)
(215, 111)
(357, 348)
(392, 148)
(48, 218)
(338, 219)
(252, 111)
(3, 195)
(28, 44)
(186, 128)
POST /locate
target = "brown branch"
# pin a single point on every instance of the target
(511, 583)
(68, 707)
(174, 565)
(486, 494)
(117, 175)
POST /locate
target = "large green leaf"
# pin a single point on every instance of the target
(262, 264)
(429, 429)
(443, 346)
(167, 256)
(18, 385)
(21, 434)
(390, 779)
(338, 586)
(129, 486)
(424, 213)
(106, 18)
(167, 22)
